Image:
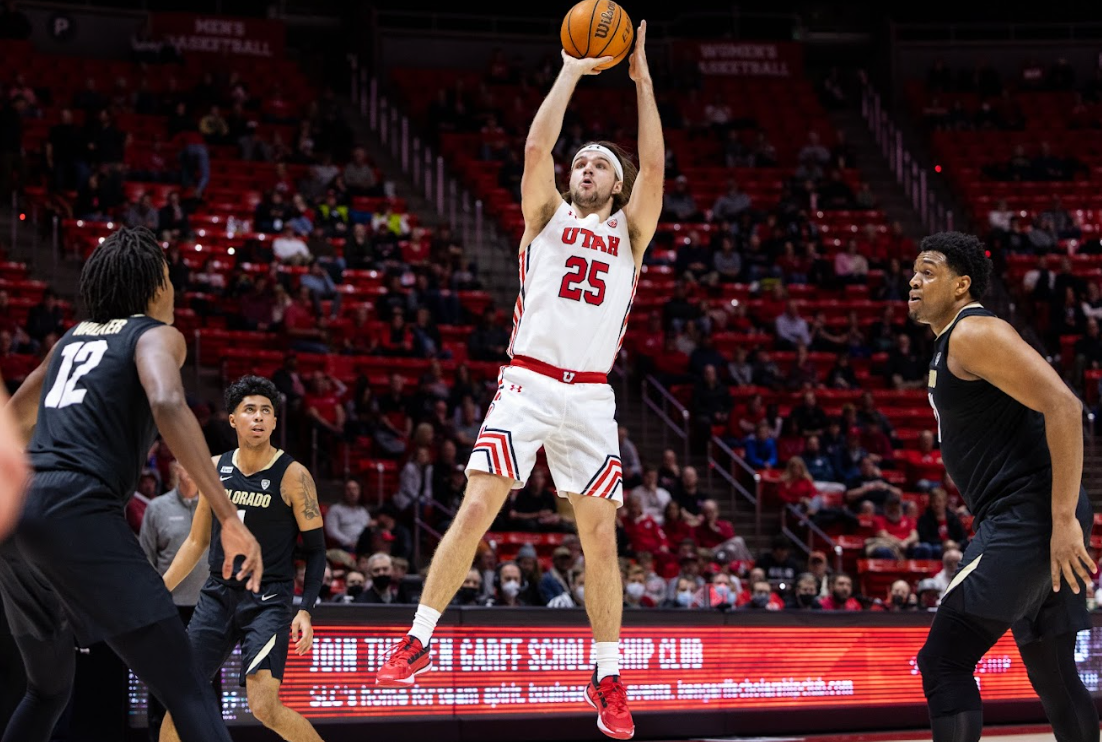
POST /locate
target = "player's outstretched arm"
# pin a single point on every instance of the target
(299, 490)
(24, 403)
(159, 355)
(645, 206)
(991, 349)
(193, 547)
(13, 468)
(538, 195)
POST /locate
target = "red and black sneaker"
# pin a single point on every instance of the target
(611, 701)
(407, 659)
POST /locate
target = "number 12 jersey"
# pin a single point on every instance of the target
(94, 417)
(577, 283)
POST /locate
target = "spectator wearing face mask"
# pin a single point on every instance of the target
(635, 589)
(806, 595)
(380, 570)
(471, 591)
(762, 598)
(950, 562)
(684, 595)
(841, 595)
(354, 583)
(722, 593)
(901, 598)
(509, 586)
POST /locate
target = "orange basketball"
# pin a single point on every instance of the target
(597, 28)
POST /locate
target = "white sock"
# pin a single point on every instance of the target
(424, 623)
(607, 655)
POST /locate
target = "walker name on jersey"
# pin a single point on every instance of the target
(113, 327)
(604, 243)
(251, 499)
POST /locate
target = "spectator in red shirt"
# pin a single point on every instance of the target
(643, 531)
(396, 339)
(841, 595)
(875, 441)
(797, 486)
(896, 534)
(712, 530)
(939, 528)
(924, 464)
(674, 523)
(302, 326)
(136, 506)
(323, 406)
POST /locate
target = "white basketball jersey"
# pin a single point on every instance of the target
(577, 282)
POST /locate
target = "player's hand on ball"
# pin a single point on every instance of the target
(238, 541)
(1069, 557)
(302, 632)
(583, 66)
(637, 62)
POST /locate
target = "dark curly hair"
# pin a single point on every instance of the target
(249, 386)
(965, 255)
(122, 275)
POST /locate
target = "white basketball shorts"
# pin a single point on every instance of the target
(575, 423)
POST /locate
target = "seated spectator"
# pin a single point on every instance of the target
(901, 599)
(842, 375)
(289, 248)
(415, 482)
(635, 589)
(999, 217)
(359, 175)
(731, 204)
(851, 267)
(797, 485)
(305, 331)
(530, 574)
(173, 218)
(925, 462)
(905, 369)
(642, 530)
(380, 570)
(950, 564)
(867, 412)
(711, 402)
(766, 371)
(333, 216)
(778, 564)
(939, 528)
(345, 521)
(678, 524)
(896, 534)
(841, 594)
(46, 317)
(739, 370)
(836, 193)
(324, 409)
(1047, 166)
(354, 584)
(806, 595)
(1061, 220)
(876, 442)
(322, 288)
(762, 598)
(470, 594)
(679, 204)
(761, 448)
(792, 329)
(389, 530)
(721, 593)
(509, 586)
(214, 128)
(713, 531)
(653, 497)
(559, 579)
(803, 373)
(359, 249)
(684, 595)
(534, 508)
(870, 486)
(489, 340)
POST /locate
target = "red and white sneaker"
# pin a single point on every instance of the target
(407, 659)
(611, 701)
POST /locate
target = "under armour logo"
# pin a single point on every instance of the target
(568, 376)
(515, 388)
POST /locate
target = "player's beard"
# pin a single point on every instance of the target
(592, 200)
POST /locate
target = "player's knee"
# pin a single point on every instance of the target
(473, 514)
(928, 661)
(264, 706)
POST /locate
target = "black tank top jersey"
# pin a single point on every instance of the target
(993, 446)
(94, 416)
(260, 505)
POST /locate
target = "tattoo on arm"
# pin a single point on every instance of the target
(310, 509)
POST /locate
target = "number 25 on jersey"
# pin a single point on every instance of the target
(577, 270)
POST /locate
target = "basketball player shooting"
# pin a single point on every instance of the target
(579, 261)
(1012, 439)
(276, 498)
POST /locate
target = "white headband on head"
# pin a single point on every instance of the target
(604, 152)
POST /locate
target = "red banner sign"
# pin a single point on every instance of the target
(746, 59)
(544, 669)
(242, 37)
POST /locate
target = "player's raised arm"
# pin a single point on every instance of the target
(539, 196)
(299, 490)
(991, 349)
(645, 206)
(159, 355)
